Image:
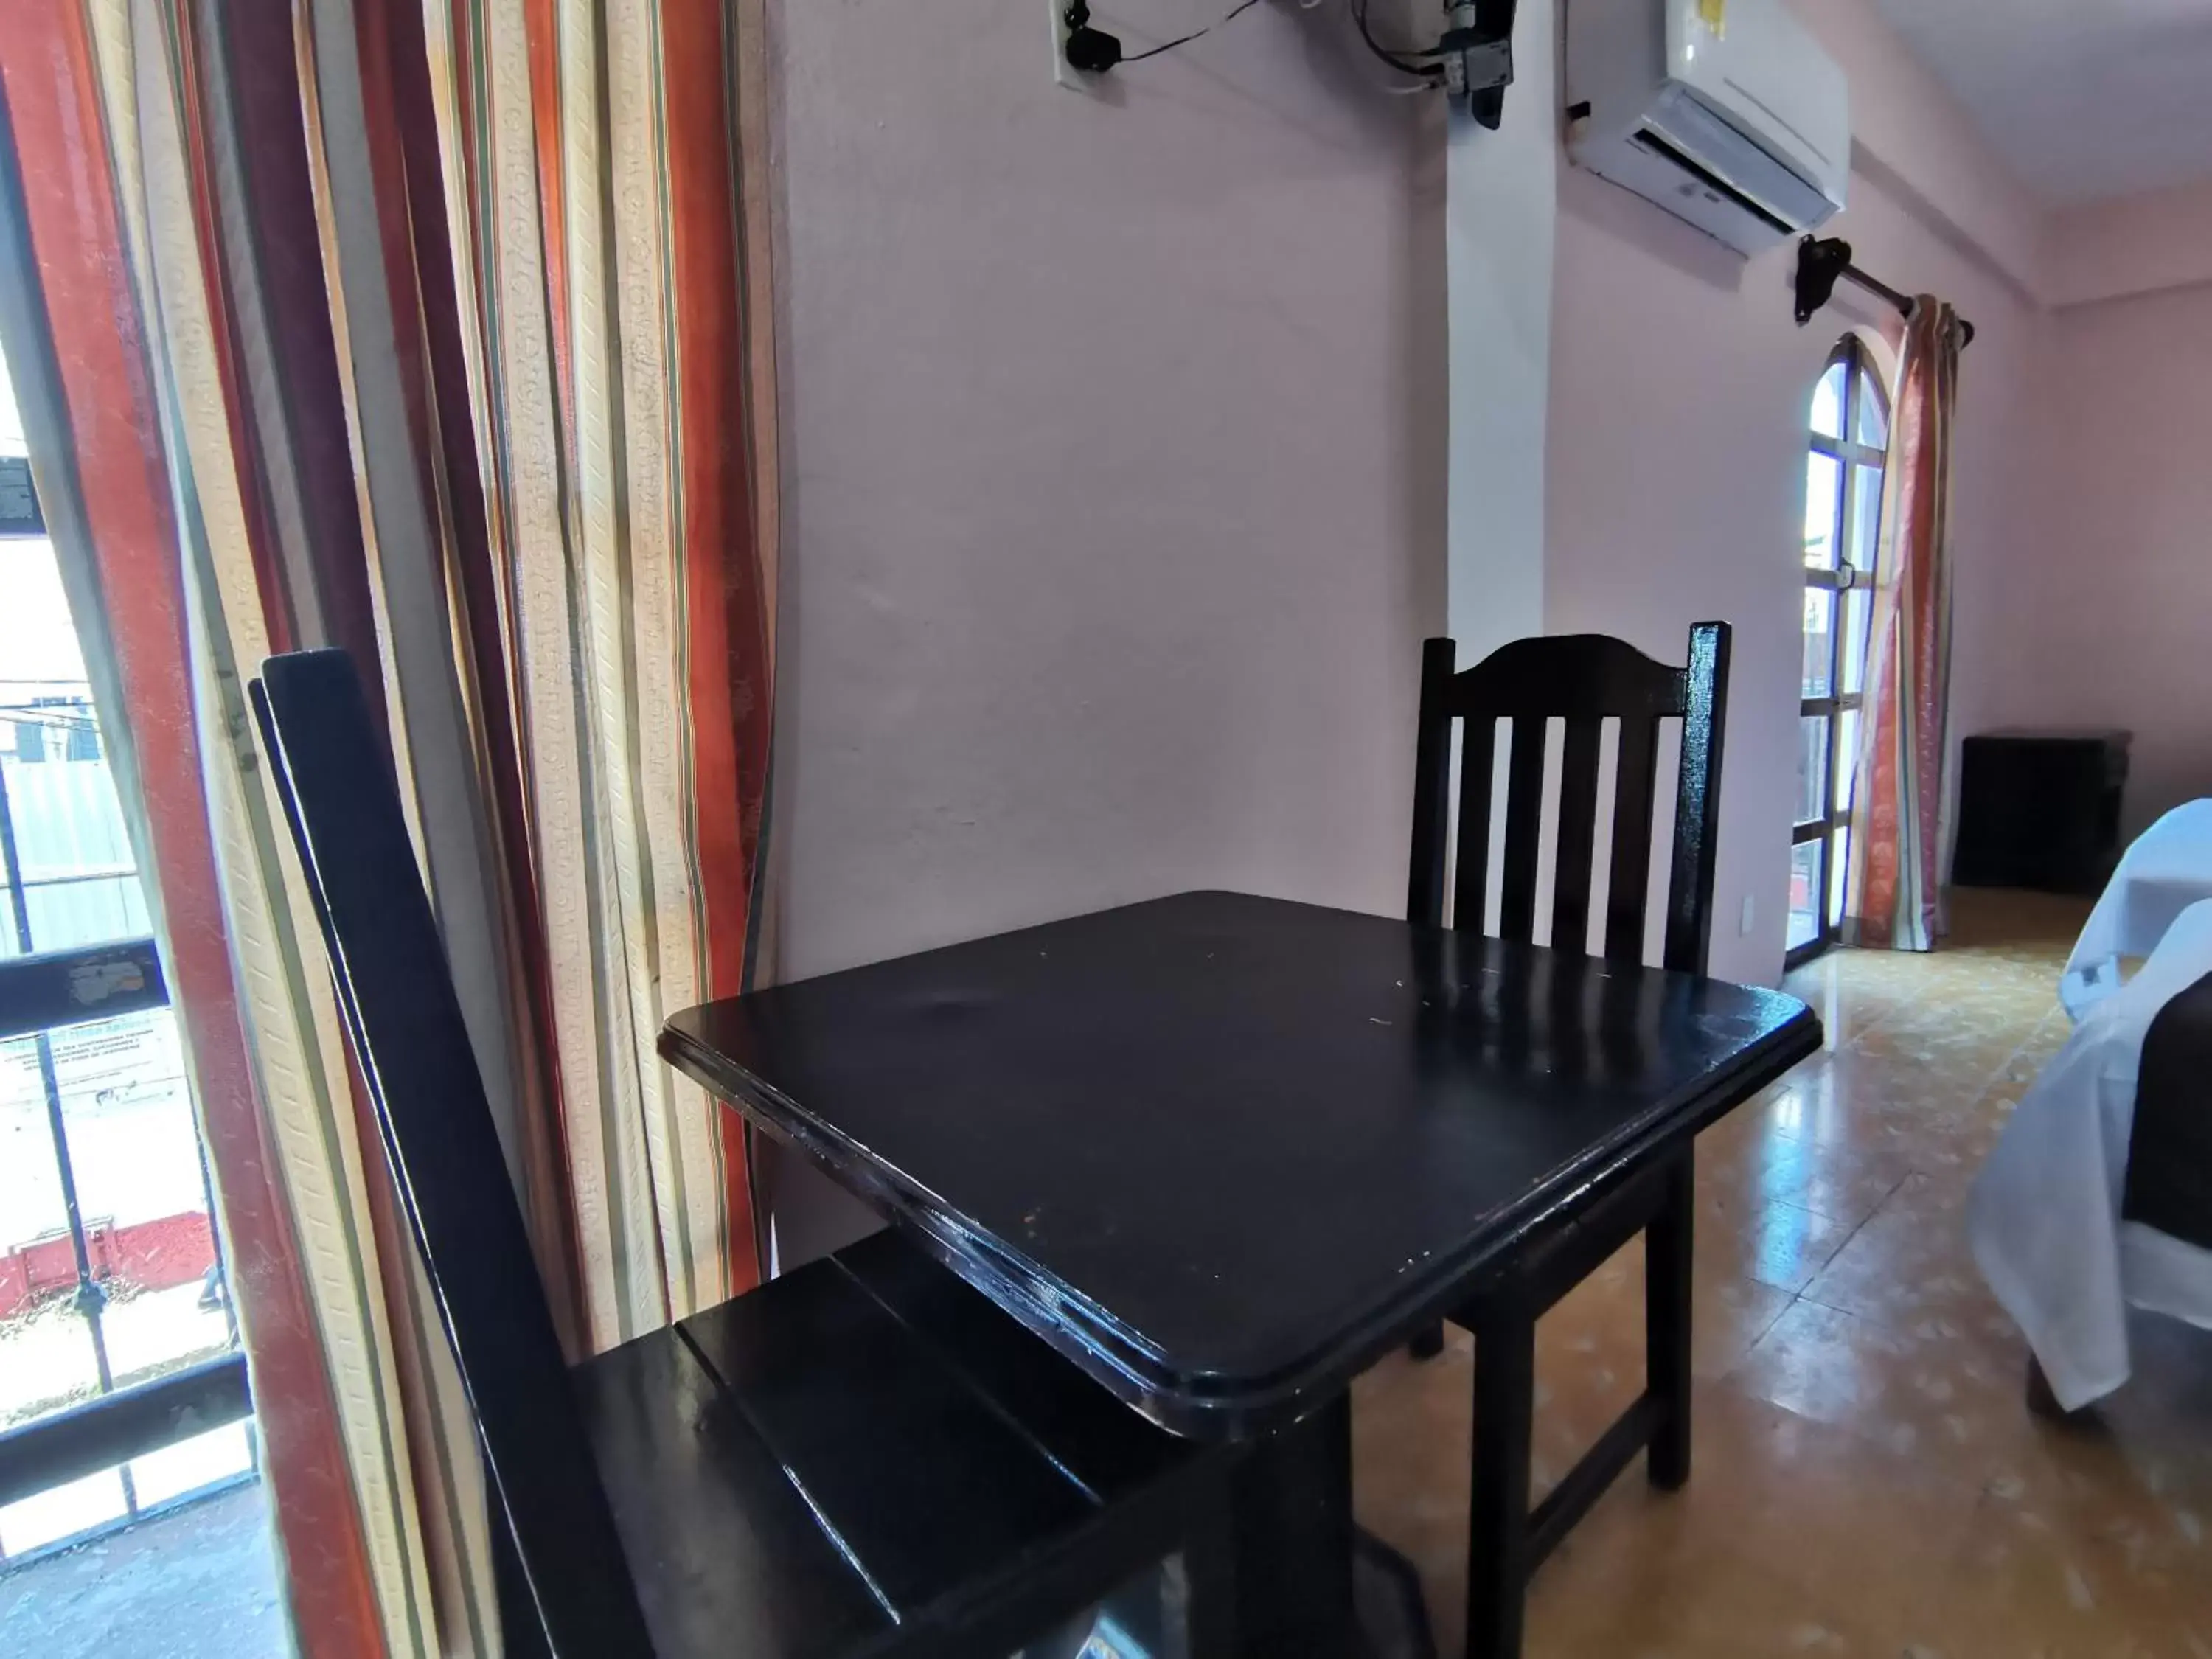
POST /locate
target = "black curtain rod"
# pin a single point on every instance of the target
(1823, 262)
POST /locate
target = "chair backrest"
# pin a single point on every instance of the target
(1583, 679)
(397, 998)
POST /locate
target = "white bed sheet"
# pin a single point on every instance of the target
(2166, 869)
(2043, 1219)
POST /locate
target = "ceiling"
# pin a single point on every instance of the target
(2084, 97)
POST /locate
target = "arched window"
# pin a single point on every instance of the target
(1849, 439)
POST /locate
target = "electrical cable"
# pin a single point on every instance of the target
(1095, 52)
(1139, 57)
(1427, 71)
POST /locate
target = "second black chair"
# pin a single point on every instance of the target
(1583, 680)
(861, 1460)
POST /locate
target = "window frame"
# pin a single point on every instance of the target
(43, 993)
(1851, 458)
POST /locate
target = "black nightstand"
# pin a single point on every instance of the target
(2039, 809)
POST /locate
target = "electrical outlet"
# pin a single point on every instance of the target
(1063, 72)
(1750, 908)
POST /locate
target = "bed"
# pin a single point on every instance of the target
(2098, 1194)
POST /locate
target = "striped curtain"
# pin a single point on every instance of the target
(1900, 812)
(435, 332)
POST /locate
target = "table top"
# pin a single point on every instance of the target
(1225, 1151)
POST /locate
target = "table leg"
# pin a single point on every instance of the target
(1294, 1539)
(1667, 1298)
(1498, 1524)
(1296, 1550)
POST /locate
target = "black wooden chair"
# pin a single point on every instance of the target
(861, 1458)
(1584, 680)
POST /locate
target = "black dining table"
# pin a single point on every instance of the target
(1224, 1152)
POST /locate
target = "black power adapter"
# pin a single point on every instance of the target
(1092, 51)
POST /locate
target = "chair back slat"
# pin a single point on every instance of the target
(1635, 789)
(396, 996)
(1476, 764)
(1584, 680)
(1524, 823)
(1571, 886)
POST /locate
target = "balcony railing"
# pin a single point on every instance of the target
(164, 1388)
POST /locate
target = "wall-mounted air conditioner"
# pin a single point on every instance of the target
(1725, 112)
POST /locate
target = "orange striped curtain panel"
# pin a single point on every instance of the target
(437, 329)
(1900, 813)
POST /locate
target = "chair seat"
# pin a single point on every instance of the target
(857, 1456)
(861, 1460)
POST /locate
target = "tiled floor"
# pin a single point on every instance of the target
(1867, 1478)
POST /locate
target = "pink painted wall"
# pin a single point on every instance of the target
(1102, 578)
(2115, 582)
(1116, 469)
(1115, 502)
(1680, 394)
(1924, 151)
(2138, 244)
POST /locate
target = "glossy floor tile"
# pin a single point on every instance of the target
(1867, 1478)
